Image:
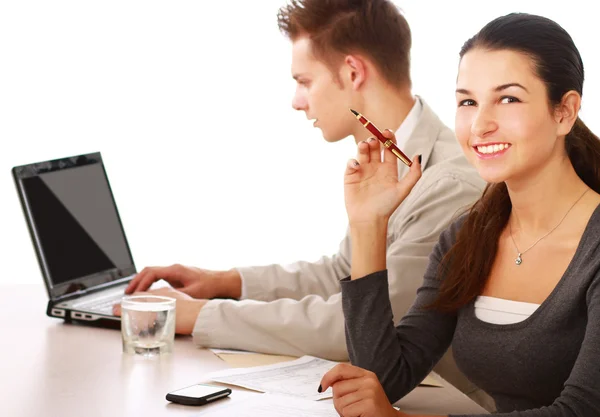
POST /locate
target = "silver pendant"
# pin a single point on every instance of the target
(519, 260)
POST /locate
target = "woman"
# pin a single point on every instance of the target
(514, 284)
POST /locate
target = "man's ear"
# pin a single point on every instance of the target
(355, 71)
(567, 111)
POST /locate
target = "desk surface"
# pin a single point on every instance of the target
(50, 368)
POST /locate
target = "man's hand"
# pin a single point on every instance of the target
(186, 308)
(196, 282)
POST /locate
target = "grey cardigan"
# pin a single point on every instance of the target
(545, 366)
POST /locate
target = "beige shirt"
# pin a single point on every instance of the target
(408, 125)
(296, 309)
(401, 135)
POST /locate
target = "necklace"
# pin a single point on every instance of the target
(519, 259)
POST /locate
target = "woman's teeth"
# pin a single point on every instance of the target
(492, 148)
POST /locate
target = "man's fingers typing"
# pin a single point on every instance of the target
(150, 275)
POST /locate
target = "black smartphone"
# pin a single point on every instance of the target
(198, 394)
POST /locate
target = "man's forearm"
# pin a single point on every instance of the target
(230, 284)
(312, 326)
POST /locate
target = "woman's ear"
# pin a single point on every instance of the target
(567, 112)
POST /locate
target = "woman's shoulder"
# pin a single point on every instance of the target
(593, 223)
(449, 236)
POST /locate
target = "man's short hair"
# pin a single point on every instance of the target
(375, 29)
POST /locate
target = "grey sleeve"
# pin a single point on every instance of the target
(401, 356)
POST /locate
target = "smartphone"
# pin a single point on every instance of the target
(198, 394)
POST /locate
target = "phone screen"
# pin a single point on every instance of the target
(197, 391)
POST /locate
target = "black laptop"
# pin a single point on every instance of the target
(77, 235)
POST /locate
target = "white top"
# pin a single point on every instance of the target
(500, 311)
(402, 134)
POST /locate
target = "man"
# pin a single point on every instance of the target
(345, 54)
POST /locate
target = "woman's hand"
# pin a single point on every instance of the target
(372, 189)
(357, 392)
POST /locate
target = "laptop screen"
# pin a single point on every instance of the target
(74, 223)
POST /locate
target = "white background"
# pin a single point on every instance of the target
(171, 93)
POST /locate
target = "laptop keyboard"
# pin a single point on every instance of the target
(100, 304)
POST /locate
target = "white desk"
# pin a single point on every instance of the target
(49, 368)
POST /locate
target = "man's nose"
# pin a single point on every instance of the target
(299, 102)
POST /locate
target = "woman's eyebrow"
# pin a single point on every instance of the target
(497, 89)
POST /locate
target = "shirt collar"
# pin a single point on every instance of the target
(409, 123)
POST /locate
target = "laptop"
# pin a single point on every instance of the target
(78, 237)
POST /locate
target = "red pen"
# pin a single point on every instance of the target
(386, 142)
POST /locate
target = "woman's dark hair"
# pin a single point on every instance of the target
(557, 63)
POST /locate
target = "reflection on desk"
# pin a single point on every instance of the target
(50, 368)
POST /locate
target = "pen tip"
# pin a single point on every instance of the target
(354, 112)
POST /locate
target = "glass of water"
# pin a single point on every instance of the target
(148, 324)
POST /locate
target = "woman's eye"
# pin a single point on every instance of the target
(467, 102)
(509, 99)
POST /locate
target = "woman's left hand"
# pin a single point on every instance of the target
(357, 392)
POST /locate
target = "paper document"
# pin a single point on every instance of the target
(266, 405)
(231, 351)
(431, 381)
(299, 378)
(244, 359)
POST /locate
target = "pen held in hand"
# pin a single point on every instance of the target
(386, 142)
